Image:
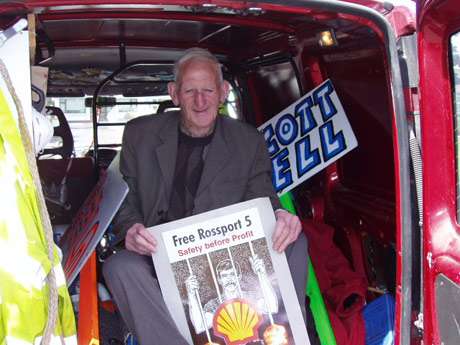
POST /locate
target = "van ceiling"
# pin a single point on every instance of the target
(86, 45)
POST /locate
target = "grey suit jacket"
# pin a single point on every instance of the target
(236, 168)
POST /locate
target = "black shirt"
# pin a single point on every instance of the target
(187, 174)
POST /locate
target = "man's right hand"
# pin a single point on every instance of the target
(139, 240)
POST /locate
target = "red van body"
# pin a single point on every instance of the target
(393, 69)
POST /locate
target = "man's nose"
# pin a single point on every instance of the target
(199, 99)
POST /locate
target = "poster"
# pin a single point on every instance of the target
(92, 219)
(223, 283)
(307, 136)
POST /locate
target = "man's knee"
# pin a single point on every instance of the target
(126, 264)
(299, 247)
(297, 258)
(302, 241)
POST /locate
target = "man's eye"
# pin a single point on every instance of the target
(209, 90)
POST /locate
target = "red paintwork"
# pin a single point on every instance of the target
(375, 4)
(383, 217)
(402, 20)
(8, 9)
(441, 229)
(400, 17)
(358, 171)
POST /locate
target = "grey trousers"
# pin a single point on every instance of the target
(132, 282)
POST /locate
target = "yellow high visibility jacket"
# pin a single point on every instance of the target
(24, 262)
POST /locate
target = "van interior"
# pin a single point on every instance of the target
(109, 64)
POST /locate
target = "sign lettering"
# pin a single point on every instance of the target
(307, 136)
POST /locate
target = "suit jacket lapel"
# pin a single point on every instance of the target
(217, 155)
(167, 151)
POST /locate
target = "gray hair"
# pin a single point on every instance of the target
(197, 54)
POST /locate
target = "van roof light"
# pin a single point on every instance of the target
(327, 38)
(255, 10)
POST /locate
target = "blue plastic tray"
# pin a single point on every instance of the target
(379, 316)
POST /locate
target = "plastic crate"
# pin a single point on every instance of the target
(379, 318)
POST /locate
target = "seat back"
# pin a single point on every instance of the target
(66, 184)
(166, 106)
(62, 130)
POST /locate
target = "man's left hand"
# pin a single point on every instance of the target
(287, 230)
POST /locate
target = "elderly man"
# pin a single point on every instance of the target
(182, 163)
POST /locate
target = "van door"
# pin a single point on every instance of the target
(439, 60)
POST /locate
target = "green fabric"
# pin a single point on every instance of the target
(317, 306)
(24, 261)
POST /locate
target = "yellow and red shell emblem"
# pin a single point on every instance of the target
(237, 322)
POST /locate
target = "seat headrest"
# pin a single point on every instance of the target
(63, 131)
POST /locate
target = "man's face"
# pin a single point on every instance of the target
(199, 94)
(228, 279)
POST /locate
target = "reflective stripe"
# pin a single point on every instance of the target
(55, 340)
(60, 276)
(10, 340)
(27, 271)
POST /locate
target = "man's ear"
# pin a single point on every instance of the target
(224, 90)
(172, 90)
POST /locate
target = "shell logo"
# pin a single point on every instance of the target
(237, 322)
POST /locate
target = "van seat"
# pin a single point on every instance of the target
(66, 184)
(61, 130)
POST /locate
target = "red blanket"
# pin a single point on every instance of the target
(343, 289)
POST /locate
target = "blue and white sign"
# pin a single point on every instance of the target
(307, 136)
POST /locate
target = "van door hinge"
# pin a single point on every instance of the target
(407, 51)
(419, 325)
(408, 59)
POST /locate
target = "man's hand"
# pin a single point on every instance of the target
(139, 240)
(287, 230)
(191, 284)
(257, 264)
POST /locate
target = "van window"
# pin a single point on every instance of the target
(113, 117)
(455, 65)
(79, 118)
(231, 106)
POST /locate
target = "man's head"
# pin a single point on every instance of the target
(198, 89)
(228, 275)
